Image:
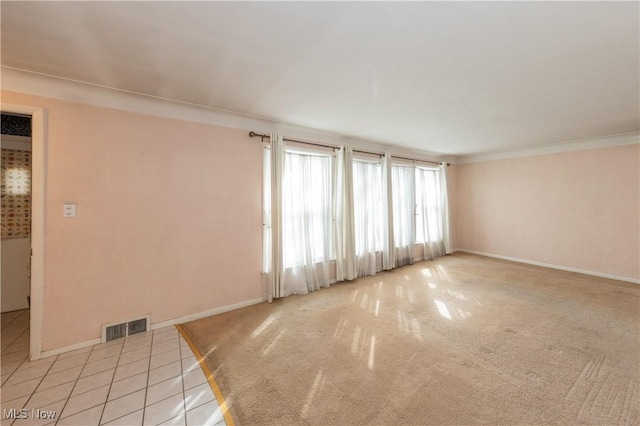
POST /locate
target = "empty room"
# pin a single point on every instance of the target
(320, 213)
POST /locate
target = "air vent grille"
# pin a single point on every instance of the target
(118, 330)
(136, 326)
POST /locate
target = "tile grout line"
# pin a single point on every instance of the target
(112, 381)
(76, 383)
(72, 388)
(37, 386)
(13, 342)
(166, 380)
(39, 383)
(94, 349)
(184, 396)
(15, 318)
(48, 370)
(78, 379)
(163, 352)
(15, 339)
(165, 398)
(11, 321)
(144, 404)
(22, 362)
(115, 370)
(26, 358)
(224, 409)
(32, 393)
(116, 381)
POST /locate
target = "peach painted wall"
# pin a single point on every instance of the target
(168, 222)
(575, 209)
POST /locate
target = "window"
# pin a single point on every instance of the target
(306, 209)
(377, 211)
(428, 206)
(16, 193)
(403, 181)
(417, 205)
(368, 206)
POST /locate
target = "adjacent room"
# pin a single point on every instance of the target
(371, 213)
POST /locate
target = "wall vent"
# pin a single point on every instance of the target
(136, 326)
(114, 331)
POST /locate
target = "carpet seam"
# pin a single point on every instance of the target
(210, 379)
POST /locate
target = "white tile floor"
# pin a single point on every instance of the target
(148, 379)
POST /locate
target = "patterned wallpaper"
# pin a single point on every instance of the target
(16, 193)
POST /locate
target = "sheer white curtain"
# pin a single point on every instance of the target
(344, 226)
(272, 267)
(365, 215)
(266, 220)
(368, 216)
(446, 218)
(403, 183)
(306, 217)
(429, 212)
(388, 245)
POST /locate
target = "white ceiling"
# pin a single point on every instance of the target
(447, 77)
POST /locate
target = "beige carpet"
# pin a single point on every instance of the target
(460, 340)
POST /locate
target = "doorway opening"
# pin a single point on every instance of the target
(15, 297)
(23, 196)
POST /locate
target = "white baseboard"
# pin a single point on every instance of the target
(208, 313)
(552, 266)
(156, 326)
(69, 348)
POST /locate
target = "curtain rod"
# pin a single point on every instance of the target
(263, 136)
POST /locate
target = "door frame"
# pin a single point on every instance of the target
(38, 199)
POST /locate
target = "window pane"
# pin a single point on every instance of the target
(403, 205)
(368, 207)
(306, 209)
(16, 193)
(428, 209)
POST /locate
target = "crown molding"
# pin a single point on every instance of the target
(575, 145)
(43, 85)
(48, 86)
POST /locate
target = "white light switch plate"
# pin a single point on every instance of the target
(69, 210)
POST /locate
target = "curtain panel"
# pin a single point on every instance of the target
(388, 247)
(307, 222)
(344, 230)
(446, 214)
(274, 159)
(369, 216)
(429, 213)
(404, 194)
(363, 215)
